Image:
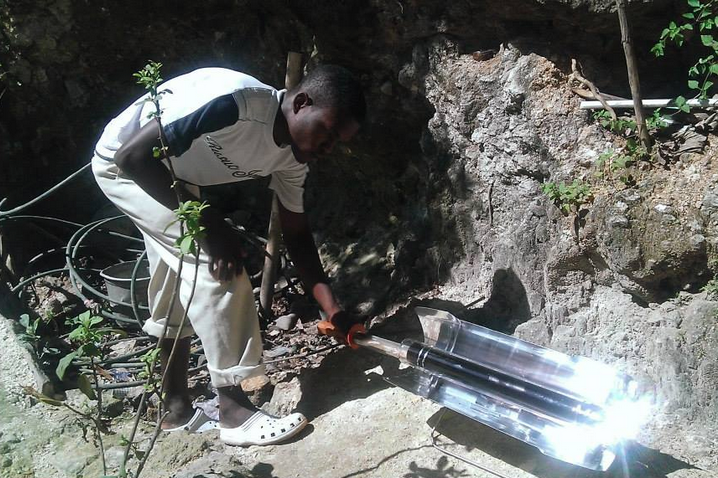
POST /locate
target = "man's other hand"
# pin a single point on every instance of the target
(226, 256)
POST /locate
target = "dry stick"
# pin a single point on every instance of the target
(173, 300)
(491, 206)
(99, 414)
(633, 80)
(592, 87)
(266, 291)
(141, 466)
(162, 415)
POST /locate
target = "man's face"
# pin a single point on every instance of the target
(315, 130)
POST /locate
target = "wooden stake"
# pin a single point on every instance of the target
(633, 80)
(266, 291)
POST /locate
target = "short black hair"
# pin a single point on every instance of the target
(335, 87)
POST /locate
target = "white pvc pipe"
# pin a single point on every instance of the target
(596, 105)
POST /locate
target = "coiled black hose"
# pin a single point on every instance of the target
(81, 285)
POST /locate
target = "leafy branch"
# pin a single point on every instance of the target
(702, 18)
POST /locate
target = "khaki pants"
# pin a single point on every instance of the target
(222, 314)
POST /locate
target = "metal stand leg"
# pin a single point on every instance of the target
(435, 435)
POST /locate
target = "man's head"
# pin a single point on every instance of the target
(326, 107)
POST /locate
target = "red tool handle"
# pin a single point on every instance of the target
(326, 327)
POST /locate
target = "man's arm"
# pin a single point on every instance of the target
(135, 159)
(303, 251)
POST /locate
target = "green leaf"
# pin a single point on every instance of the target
(694, 3)
(689, 15)
(707, 40)
(63, 364)
(682, 105)
(693, 84)
(85, 386)
(76, 334)
(187, 244)
(714, 68)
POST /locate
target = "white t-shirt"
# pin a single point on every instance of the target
(219, 126)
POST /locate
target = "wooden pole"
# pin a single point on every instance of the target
(266, 291)
(633, 80)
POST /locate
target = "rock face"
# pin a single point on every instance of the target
(471, 111)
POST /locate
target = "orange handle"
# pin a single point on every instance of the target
(327, 328)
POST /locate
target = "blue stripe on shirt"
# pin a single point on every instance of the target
(212, 116)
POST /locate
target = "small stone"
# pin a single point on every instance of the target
(285, 398)
(697, 240)
(253, 384)
(279, 351)
(286, 322)
(619, 221)
(387, 88)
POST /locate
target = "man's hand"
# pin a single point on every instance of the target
(342, 326)
(223, 246)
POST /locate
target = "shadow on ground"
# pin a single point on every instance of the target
(636, 461)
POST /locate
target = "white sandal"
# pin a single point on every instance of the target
(199, 423)
(262, 429)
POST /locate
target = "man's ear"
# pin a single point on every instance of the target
(300, 101)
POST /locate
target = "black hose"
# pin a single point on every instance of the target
(72, 248)
(43, 195)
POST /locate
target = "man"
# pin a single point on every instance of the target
(223, 126)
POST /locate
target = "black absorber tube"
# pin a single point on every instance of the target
(520, 392)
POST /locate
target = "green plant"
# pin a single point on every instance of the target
(568, 197)
(189, 214)
(149, 359)
(656, 121)
(711, 287)
(30, 334)
(621, 125)
(703, 18)
(88, 335)
(633, 151)
(88, 339)
(626, 126)
(150, 78)
(45, 347)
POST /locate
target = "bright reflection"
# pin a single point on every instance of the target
(624, 419)
(592, 380)
(624, 415)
